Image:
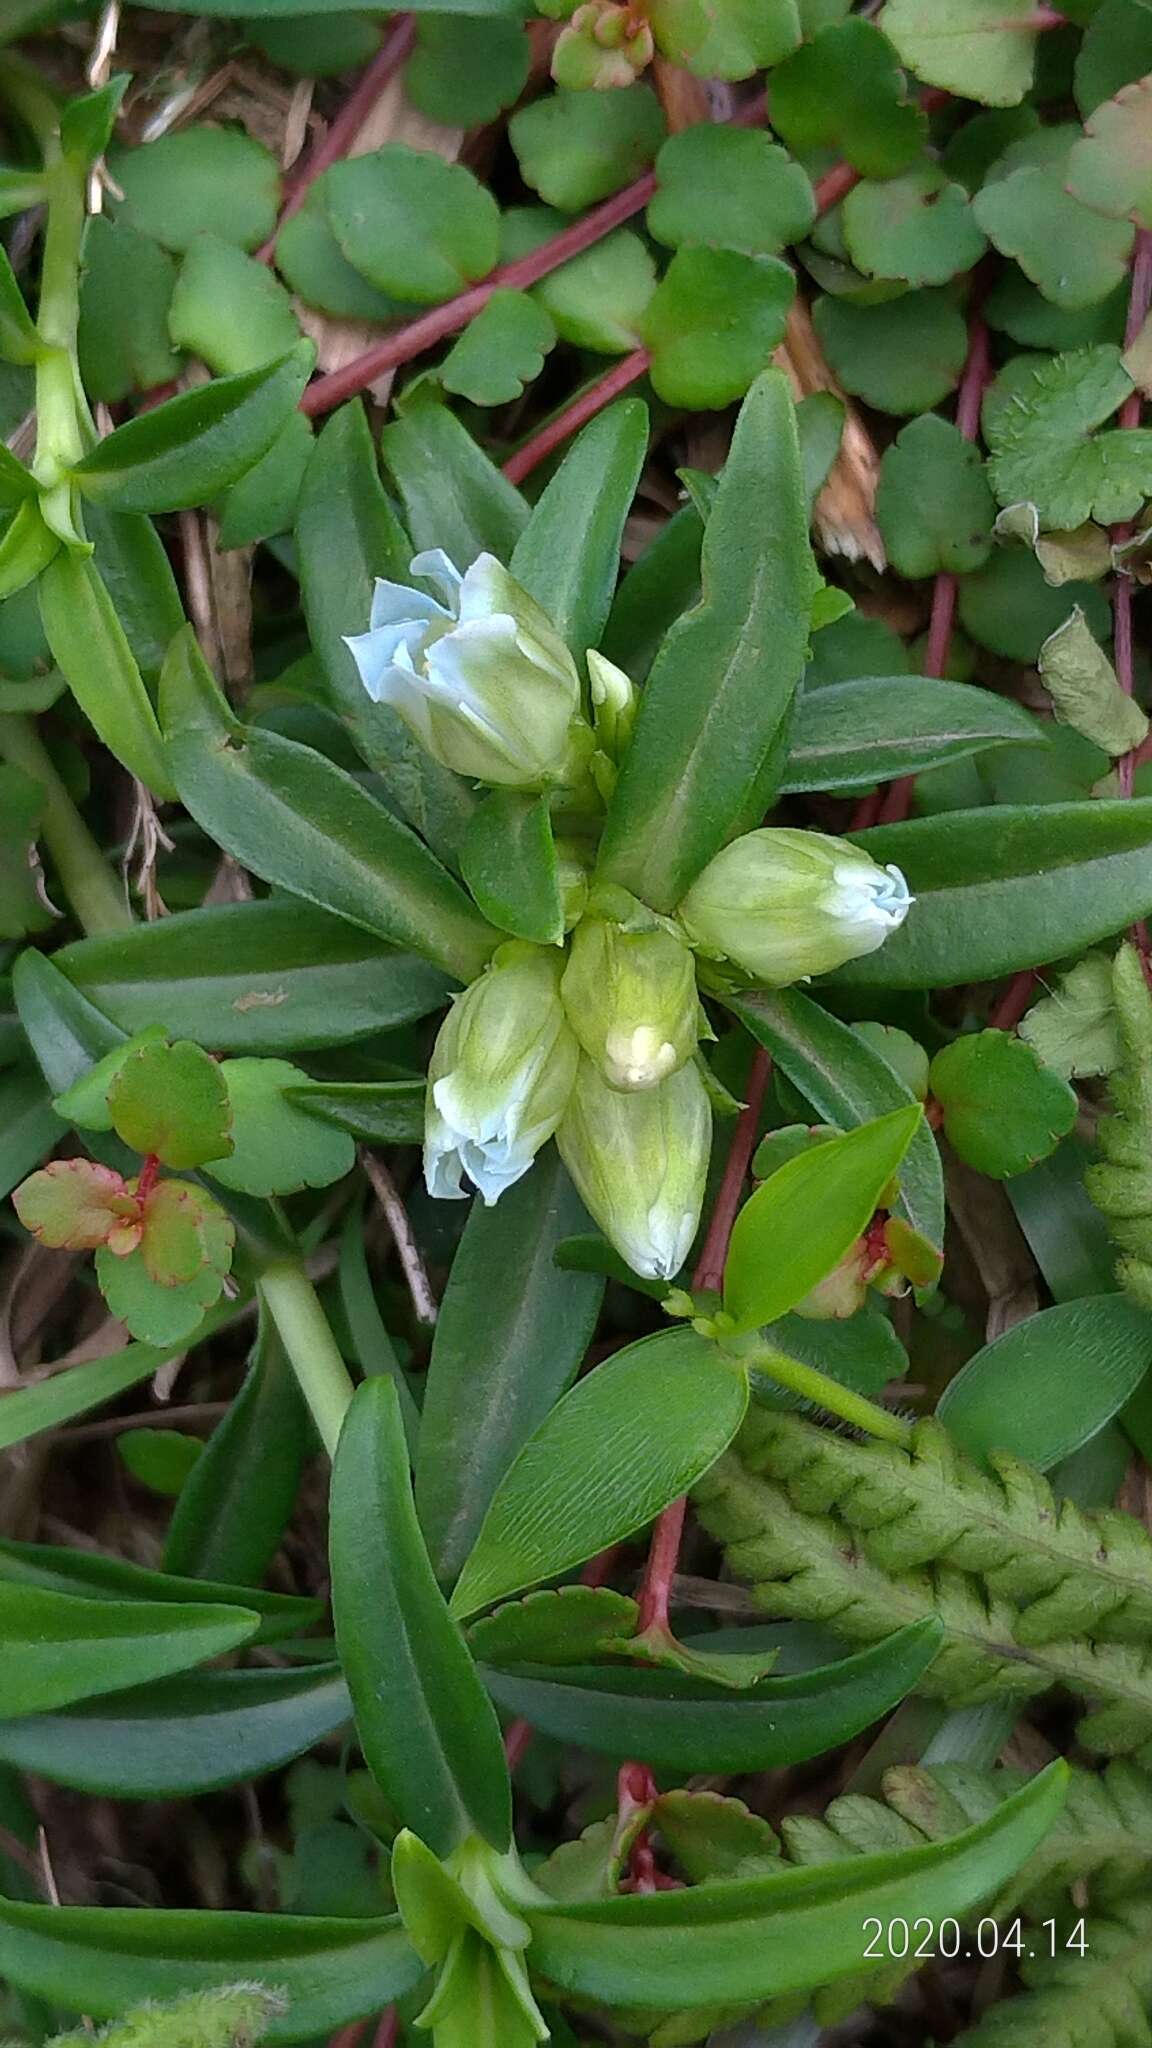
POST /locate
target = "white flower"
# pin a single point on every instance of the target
(639, 1162)
(482, 679)
(785, 904)
(500, 1075)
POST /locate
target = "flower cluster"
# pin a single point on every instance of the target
(595, 1041)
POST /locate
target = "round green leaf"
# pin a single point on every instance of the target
(1003, 1109)
(411, 223)
(731, 41)
(597, 301)
(125, 293)
(845, 91)
(933, 504)
(918, 227)
(155, 1313)
(1110, 169)
(1044, 449)
(1117, 47)
(1010, 608)
(901, 357)
(185, 1232)
(500, 351)
(974, 48)
(316, 46)
(311, 261)
(1074, 257)
(171, 1100)
(466, 72)
(198, 179)
(712, 323)
(1015, 307)
(732, 188)
(576, 147)
(229, 309)
(276, 1147)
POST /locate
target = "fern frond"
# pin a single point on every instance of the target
(235, 2016)
(1099, 1999)
(864, 1537)
(1121, 1183)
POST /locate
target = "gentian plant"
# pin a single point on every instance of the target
(575, 1024)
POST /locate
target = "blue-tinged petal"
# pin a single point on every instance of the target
(438, 568)
(398, 604)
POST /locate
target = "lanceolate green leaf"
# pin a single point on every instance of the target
(51, 1402)
(108, 1959)
(722, 685)
(187, 451)
(380, 1112)
(454, 497)
(267, 977)
(1051, 1382)
(798, 1225)
(347, 534)
(429, 1736)
(512, 1331)
(293, 817)
(847, 1083)
(92, 1576)
(793, 1930)
(628, 1439)
(568, 555)
(181, 1736)
(91, 649)
(1009, 887)
(850, 735)
(59, 1647)
(688, 1725)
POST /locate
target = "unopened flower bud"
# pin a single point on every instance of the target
(604, 45)
(639, 1162)
(572, 874)
(614, 702)
(500, 1075)
(629, 990)
(483, 680)
(785, 904)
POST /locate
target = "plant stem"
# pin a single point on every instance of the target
(346, 125)
(61, 409)
(714, 1251)
(441, 321)
(574, 416)
(814, 1385)
(294, 1306)
(85, 877)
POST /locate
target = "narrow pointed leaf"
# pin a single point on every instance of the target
(508, 860)
(181, 1736)
(107, 1959)
(688, 1725)
(722, 685)
(791, 1931)
(58, 1647)
(568, 555)
(850, 735)
(429, 1735)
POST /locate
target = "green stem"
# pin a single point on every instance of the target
(88, 883)
(817, 1386)
(293, 1304)
(62, 412)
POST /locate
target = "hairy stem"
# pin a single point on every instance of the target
(85, 877)
(827, 1393)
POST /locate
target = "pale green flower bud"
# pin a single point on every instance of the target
(630, 993)
(483, 680)
(500, 1076)
(640, 1162)
(572, 873)
(614, 703)
(785, 904)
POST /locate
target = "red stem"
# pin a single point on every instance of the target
(582, 409)
(660, 1570)
(347, 124)
(714, 1251)
(388, 2029)
(149, 1174)
(1014, 1001)
(441, 321)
